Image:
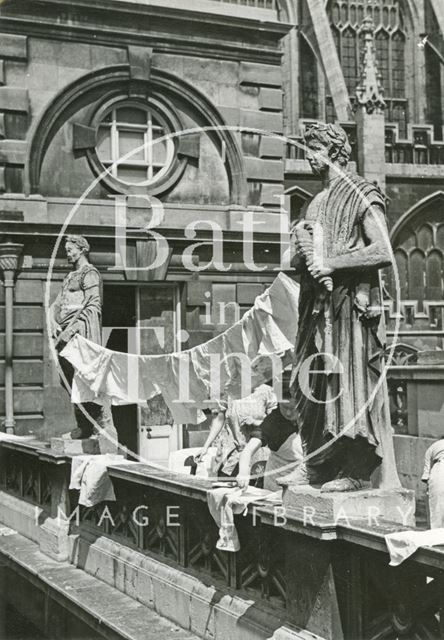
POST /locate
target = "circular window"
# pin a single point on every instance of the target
(134, 142)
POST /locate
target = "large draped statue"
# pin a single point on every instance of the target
(337, 385)
(78, 310)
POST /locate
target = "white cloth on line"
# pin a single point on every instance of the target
(225, 502)
(89, 475)
(187, 380)
(403, 544)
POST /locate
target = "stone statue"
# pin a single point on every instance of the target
(78, 309)
(339, 398)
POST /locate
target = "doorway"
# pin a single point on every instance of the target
(144, 320)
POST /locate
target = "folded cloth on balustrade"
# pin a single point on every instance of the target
(403, 544)
(89, 475)
(189, 381)
(225, 502)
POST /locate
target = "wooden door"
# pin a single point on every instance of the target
(158, 324)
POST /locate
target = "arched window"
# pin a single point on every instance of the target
(309, 80)
(346, 17)
(349, 58)
(398, 64)
(419, 251)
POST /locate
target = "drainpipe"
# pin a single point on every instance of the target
(10, 253)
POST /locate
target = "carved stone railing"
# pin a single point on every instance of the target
(157, 543)
(33, 492)
(420, 146)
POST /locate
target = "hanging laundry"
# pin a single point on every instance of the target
(403, 544)
(230, 365)
(225, 502)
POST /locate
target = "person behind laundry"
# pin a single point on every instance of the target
(278, 434)
(234, 415)
(433, 475)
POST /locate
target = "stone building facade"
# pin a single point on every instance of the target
(85, 83)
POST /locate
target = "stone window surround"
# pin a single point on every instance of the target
(116, 127)
(118, 82)
(176, 163)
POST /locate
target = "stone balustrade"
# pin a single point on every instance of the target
(296, 576)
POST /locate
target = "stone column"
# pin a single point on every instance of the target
(10, 253)
(369, 107)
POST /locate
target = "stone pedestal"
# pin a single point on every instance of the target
(371, 506)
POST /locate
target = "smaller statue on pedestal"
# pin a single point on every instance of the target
(78, 310)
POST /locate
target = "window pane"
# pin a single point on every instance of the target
(133, 175)
(349, 61)
(382, 51)
(309, 79)
(132, 115)
(104, 143)
(159, 148)
(137, 133)
(398, 65)
(130, 140)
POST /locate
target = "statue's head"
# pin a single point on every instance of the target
(76, 246)
(327, 143)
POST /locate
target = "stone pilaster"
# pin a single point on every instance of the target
(10, 254)
(370, 120)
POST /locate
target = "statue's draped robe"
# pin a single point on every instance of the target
(78, 307)
(341, 400)
(78, 310)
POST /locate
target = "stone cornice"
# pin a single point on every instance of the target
(160, 25)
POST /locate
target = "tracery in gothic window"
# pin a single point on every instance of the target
(419, 253)
(346, 18)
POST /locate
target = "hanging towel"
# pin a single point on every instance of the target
(89, 475)
(403, 544)
(225, 502)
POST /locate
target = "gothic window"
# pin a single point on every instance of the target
(309, 81)
(398, 63)
(419, 253)
(346, 17)
(349, 59)
(383, 57)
